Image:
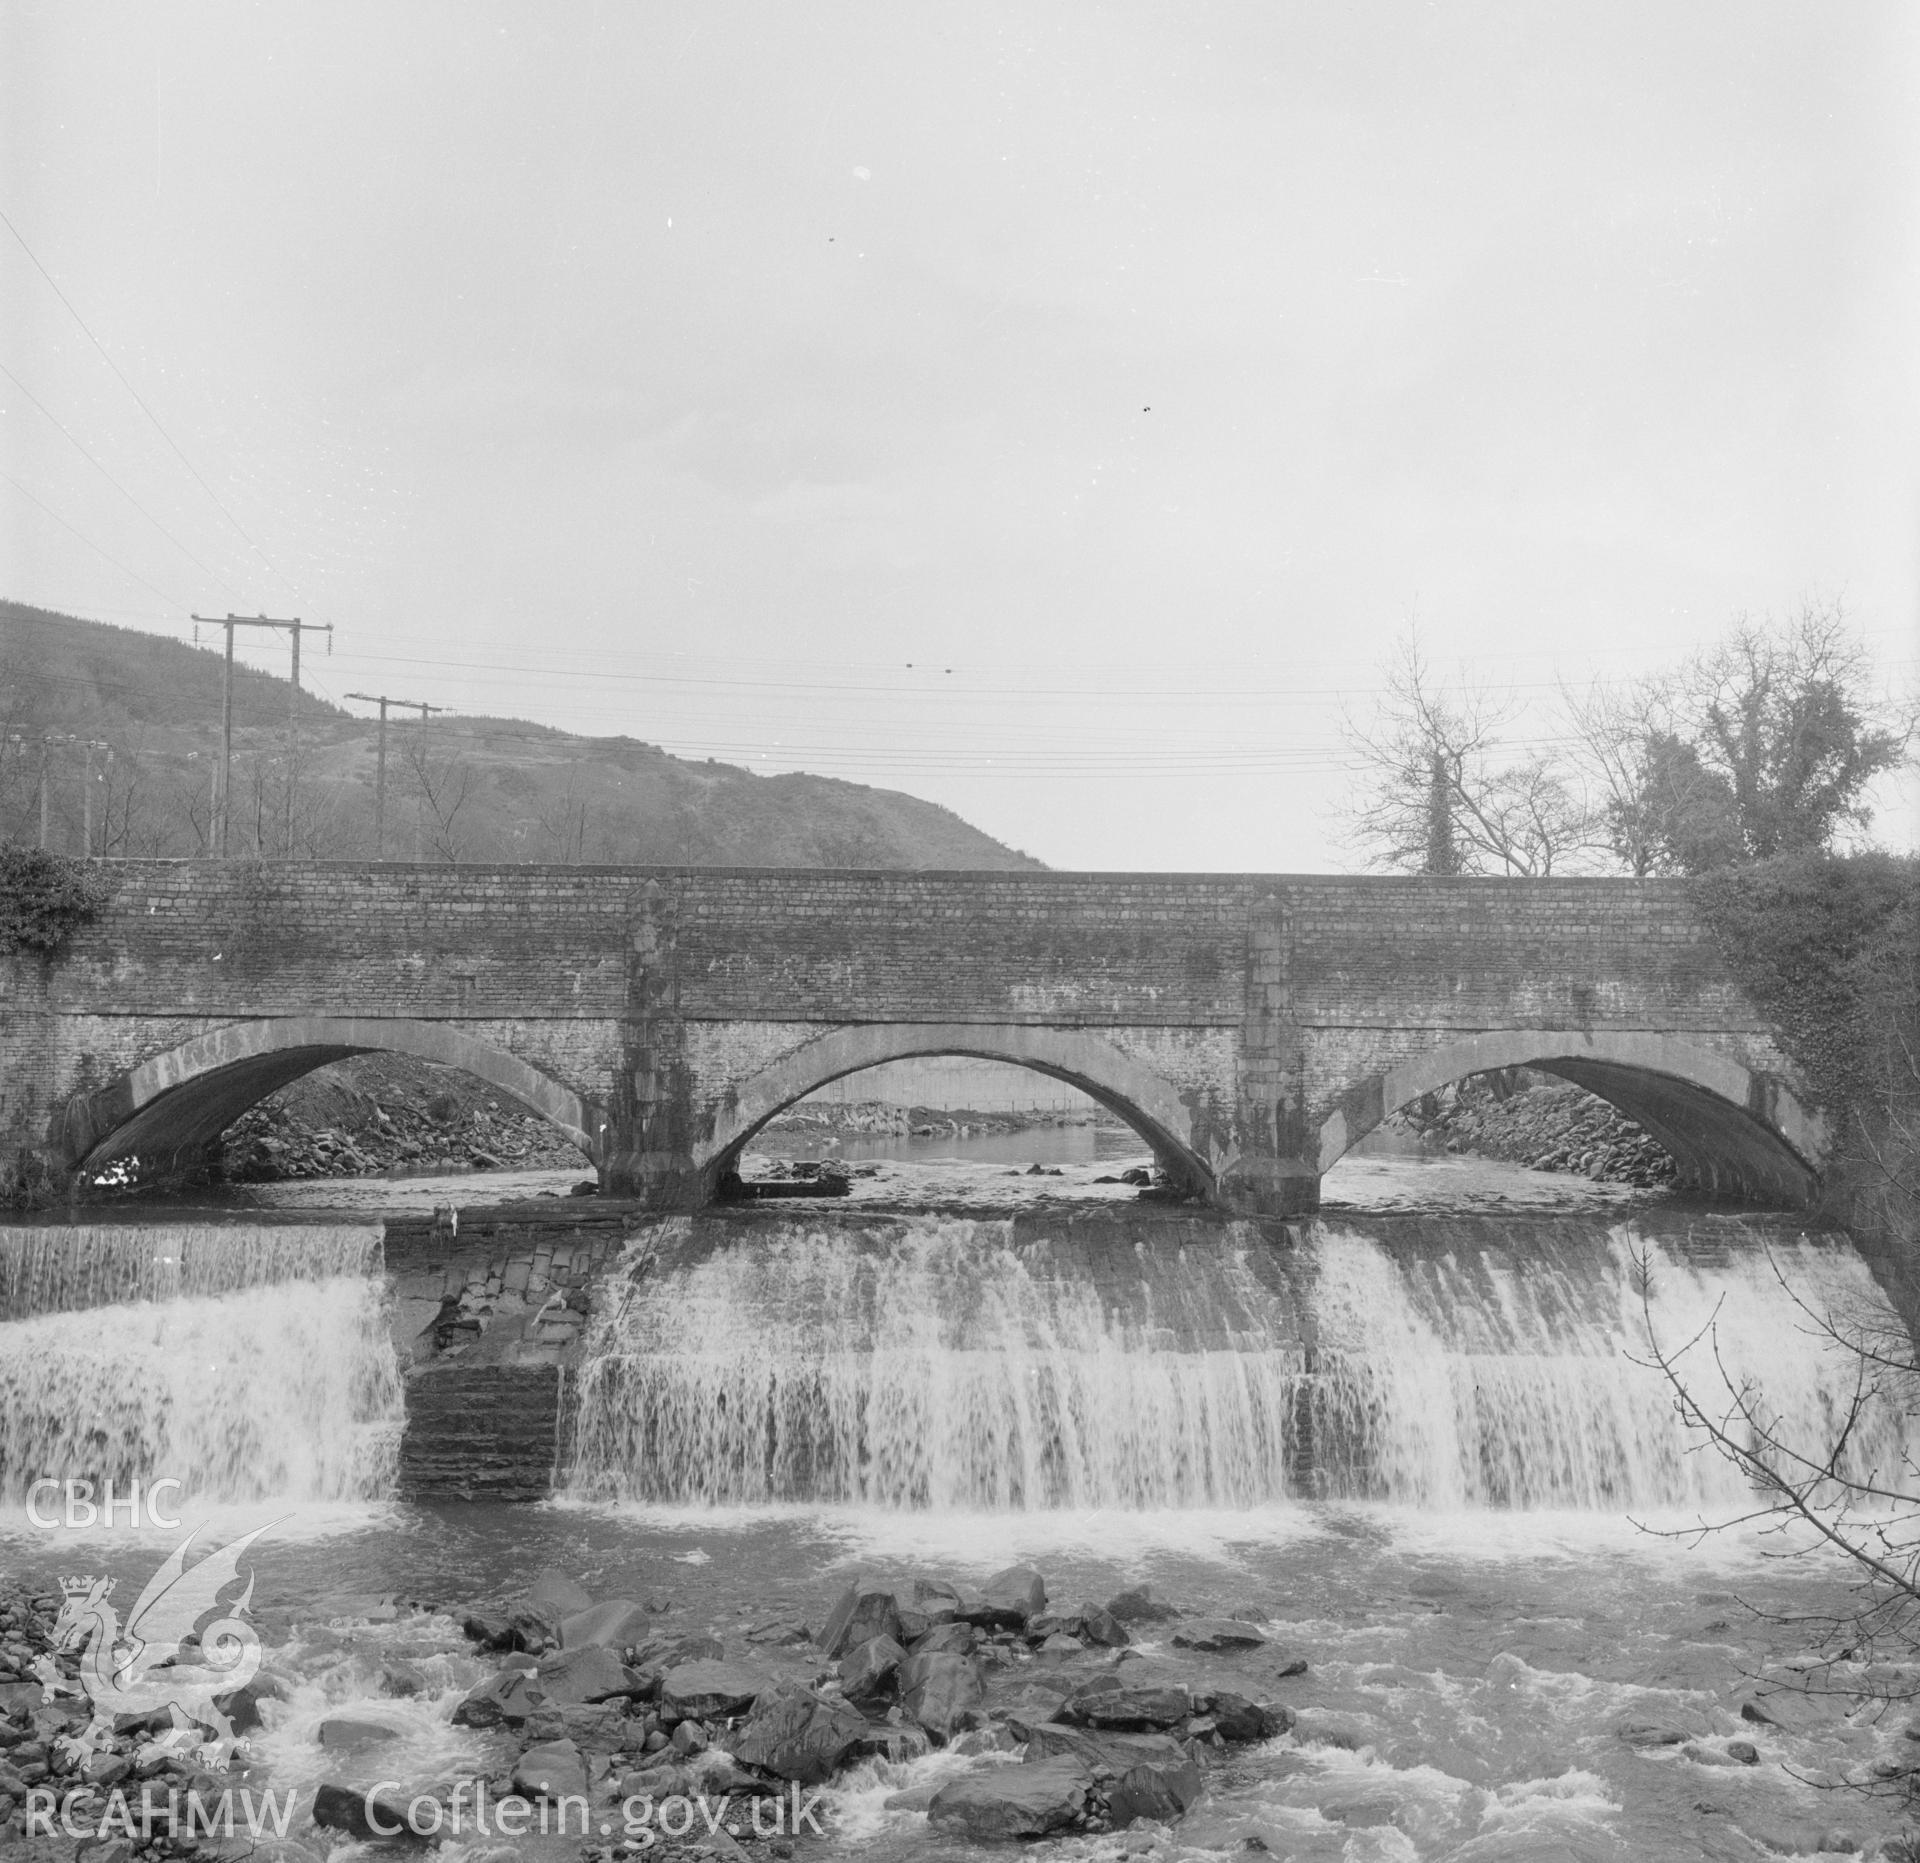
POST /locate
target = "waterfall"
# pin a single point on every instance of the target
(1120, 1361)
(931, 1363)
(248, 1361)
(1508, 1366)
(61, 1267)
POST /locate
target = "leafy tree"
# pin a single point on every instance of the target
(1762, 745)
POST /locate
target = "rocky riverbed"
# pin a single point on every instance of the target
(819, 1118)
(388, 1114)
(593, 1721)
(1445, 1710)
(1523, 1117)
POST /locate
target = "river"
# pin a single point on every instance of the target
(1416, 1449)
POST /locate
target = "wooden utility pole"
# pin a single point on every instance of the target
(293, 714)
(380, 767)
(47, 741)
(86, 795)
(223, 777)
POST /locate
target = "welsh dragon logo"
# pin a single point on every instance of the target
(141, 1669)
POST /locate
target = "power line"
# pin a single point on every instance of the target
(111, 480)
(88, 541)
(158, 426)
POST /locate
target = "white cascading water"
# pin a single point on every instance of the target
(978, 1364)
(247, 1361)
(931, 1363)
(1520, 1376)
(62, 1267)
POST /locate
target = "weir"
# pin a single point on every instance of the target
(1110, 1358)
(1110, 1362)
(248, 1361)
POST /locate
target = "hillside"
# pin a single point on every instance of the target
(479, 789)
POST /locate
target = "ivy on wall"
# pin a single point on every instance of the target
(43, 897)
(1828, 946)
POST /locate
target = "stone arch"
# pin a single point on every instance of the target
(170, 1109)
(1149, 1104)
(1731, 1130)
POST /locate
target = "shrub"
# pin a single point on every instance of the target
(43, 897)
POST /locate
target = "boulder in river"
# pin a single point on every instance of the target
(871, 1670)
(1218, 1633)
(1101, 1627)
(552, 1770)
(667, 1652)
(1128, 1710)
(1159, 1788)
(1008, 1600)
(1239, 1720)
(941, 1691)
(797, 1734)
(1140, 1606)
(707, 1690)
(1670, 1726)
(867, 1609)
(618, 1623)
(1009, 1802)
(344, 1733)
(344, 1808)
(1104, 1754)
(505, 1699)
(589, 1673)
(780, 1630)
(952, 1638)
(598, 1728)
(241, 1707)
(402, 1678)
(925, 1605)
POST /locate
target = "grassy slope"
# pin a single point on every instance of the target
(526, 792)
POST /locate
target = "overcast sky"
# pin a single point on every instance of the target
(1050, 410)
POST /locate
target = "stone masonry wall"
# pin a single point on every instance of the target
(489, 1314)
(243, 938)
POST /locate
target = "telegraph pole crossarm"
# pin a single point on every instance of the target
(296, 627)
(383, 700)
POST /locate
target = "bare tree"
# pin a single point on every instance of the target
(1445, 791)
(561, 826)
(134, 818)
(1840, 1489)
(442, 786)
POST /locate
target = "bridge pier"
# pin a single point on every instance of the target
(1269, 1187)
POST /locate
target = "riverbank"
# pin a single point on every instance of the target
(873, 1118)
(377, 1113)
(1522, 1117)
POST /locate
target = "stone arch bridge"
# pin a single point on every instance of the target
(1251, 1027)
